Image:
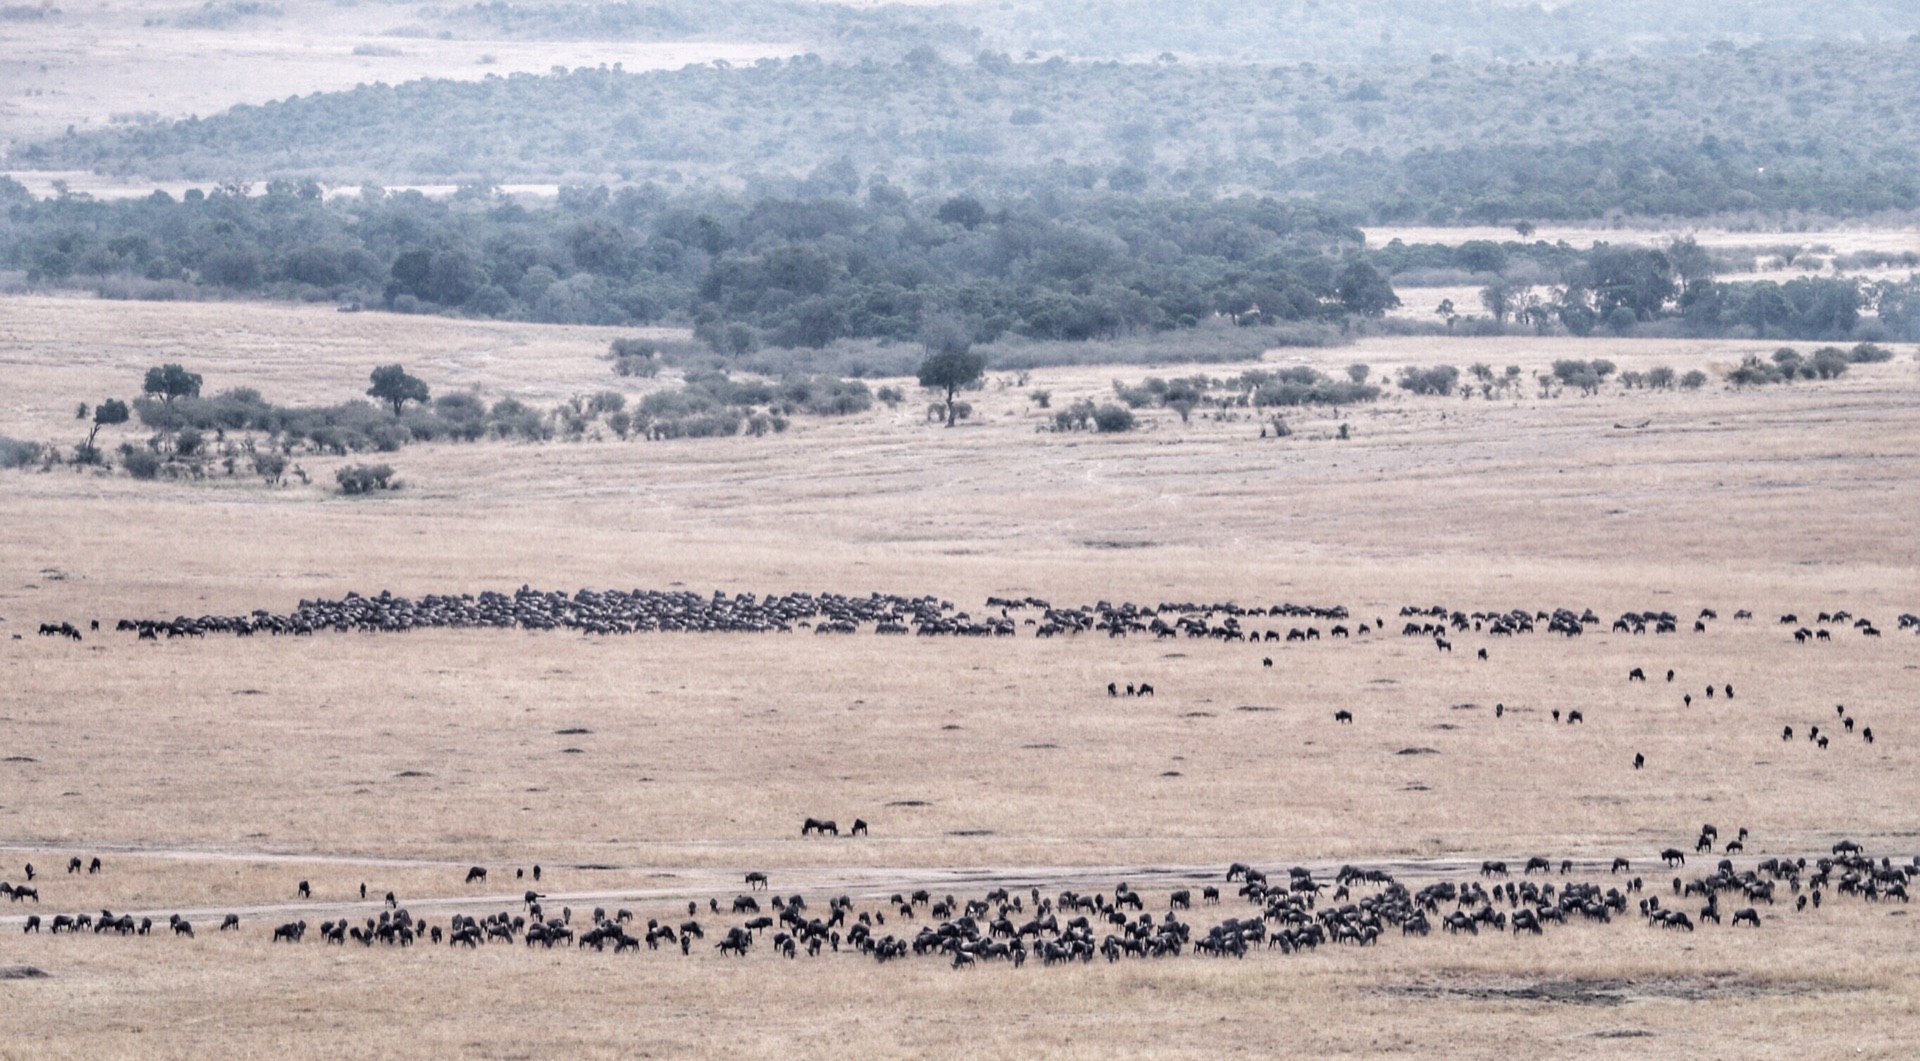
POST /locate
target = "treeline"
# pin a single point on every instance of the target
(1278, 30)
(1648, 290)
(1829, 129)
(744, 272)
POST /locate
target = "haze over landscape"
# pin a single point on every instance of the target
(630, 518)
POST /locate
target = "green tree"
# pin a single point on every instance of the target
(392, 385)
(949, 371)
(1363, 290)
(107, 413)
(168, 382)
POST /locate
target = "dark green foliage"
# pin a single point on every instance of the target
(17, 454)
(1113, 419)
(1828, 128)
(168, 382)
(392, 385)
(141, 463)
(1439, 379)
(1693, 380)
(948, 371)
(365, 478)
(747, 273)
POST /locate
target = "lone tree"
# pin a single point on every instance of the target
(392, 385)
(949, 371)
(106, 414)
(168, 382)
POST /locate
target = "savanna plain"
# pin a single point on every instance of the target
(648, 771)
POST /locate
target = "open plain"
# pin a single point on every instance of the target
(649, 770)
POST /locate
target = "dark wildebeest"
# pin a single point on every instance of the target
(1636, 675)
(476, 873)
(1673, 855)
(818, 825)
(1639, 760)
(1343, 716)
(306, 890)
(230, 923)
(94, 866)
(756, 879)
(859, 827)
(1620, 864)
(1575, 716)
(1145, 689)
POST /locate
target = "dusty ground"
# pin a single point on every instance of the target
(213, 775)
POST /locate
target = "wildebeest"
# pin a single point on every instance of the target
(1343, 716)
(756, 879)
(1639, 760)
(1575, 716)
(859, 827)
(1673, 856)
(1636, 675)
(306, 890)
(230, 923)
(1749, 915)
(818, 825)
(476, 873)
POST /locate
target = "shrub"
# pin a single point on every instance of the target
(365, 478)
(141, 463)
(16, 454)
(893, 396)
(1869, 353)
(1113, 419)
(1693, 380)
(270, 466)
(1438, 380)
(1660, 378)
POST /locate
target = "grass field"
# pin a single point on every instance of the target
(213, 775)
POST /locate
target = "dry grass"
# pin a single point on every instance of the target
(87, 65)
(213, 775)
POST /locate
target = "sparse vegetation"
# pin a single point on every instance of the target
(357, 479)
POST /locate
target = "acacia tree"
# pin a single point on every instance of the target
(950, 370)
(107, 413)
(392, 385)
(168, 382)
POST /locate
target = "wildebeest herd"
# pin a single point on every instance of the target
(1293, 912)
(641, 611)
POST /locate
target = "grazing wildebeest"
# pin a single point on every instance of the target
(818, 825)
(1180, 900)
(1673, 855)
(1639, 760)
(1113, 689)
(1748, 915)
(756, 879)
(94, 866)
(1536, 862)
(230, 923)
(1483, 653)
(1669, 673)
(745, 904)
(1636, 675)
(1266, 661)
(33, 924)
(29, 871)
(1687, 699)
(73, 864)
(476, 873)
(1620, 864)
(306, 891)
(1575, 716)
(859, 827)
(1209, 894)
(1491, 868)
(1866, 732)
(1343, 716)
(1786, 733)
(1145, 689)
(181, 927)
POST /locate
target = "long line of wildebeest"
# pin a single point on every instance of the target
(639, 611)
(1292, 913)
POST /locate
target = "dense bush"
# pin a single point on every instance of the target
(17, 454)
(1113, 419)
(365, 478)
(1439, 379)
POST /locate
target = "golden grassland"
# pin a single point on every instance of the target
(213, 775)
